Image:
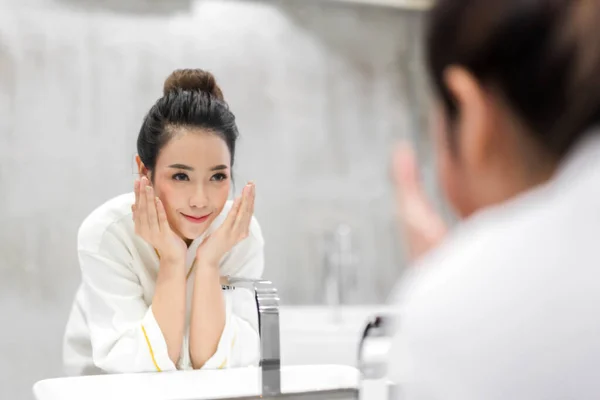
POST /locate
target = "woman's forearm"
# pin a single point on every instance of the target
(207, 314)
(168, 305)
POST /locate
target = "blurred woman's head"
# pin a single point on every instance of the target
(518, 84)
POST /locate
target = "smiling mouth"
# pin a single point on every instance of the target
(196, 220)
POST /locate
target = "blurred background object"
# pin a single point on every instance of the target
(321, 89)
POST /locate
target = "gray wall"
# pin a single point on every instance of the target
(321, 93)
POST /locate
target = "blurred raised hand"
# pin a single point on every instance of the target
(421, 224)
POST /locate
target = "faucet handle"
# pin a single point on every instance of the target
(267, 305)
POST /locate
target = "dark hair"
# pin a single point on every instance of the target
(191, 98)
(542, 56)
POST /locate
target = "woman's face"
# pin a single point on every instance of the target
(192, 178)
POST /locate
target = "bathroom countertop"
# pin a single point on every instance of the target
(197, 385)
(329, 319)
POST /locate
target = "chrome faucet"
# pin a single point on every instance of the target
(338, 265)
(267, 304)
(373, 351)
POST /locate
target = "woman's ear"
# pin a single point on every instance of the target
(473, 125)
(142, 170)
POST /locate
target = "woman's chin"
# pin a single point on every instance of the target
(193, 234)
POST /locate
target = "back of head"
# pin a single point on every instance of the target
(542, 56)
(191, 100)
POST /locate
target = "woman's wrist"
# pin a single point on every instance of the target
(171, 264)
(171, 270)
(170, 258)
(208, 259)
(207, 273)
(206, 265)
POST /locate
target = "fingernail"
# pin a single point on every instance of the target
(148, 189)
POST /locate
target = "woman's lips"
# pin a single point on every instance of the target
(196, 220)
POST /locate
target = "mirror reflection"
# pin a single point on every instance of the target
(199, 192)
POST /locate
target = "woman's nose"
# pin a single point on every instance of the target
(199, 198)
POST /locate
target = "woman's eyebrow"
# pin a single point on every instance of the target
(181, 166)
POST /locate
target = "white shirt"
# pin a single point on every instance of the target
(112, 328)
(509, 306)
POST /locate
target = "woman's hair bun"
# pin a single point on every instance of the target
(193, 80)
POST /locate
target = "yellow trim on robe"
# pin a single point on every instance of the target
(150, 348)
(232, 344)
(190, 271)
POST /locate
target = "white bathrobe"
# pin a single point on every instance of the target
(112, 327)
(509, 306)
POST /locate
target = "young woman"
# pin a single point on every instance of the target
(155, 262)
(507, 305)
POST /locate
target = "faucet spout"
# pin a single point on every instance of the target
(267, 304)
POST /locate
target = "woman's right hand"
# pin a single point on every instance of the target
(423, 227)
(151, 223)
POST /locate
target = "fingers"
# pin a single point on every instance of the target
(244, 216)
(151, 210)
(412, 201)
(231, 216)
(163, 223)
(141, 220)
(252, 198)
(405, 168)
(136, 190)
(422, 224)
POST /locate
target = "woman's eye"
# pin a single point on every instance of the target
(218, 177)
(180, 177)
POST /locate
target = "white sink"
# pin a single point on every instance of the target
(319, 347)
(197, 385)
(322, 334)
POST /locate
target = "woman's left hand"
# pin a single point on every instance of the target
(234, 229)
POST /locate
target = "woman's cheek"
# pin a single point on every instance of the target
(167, 192)
(221, 194)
